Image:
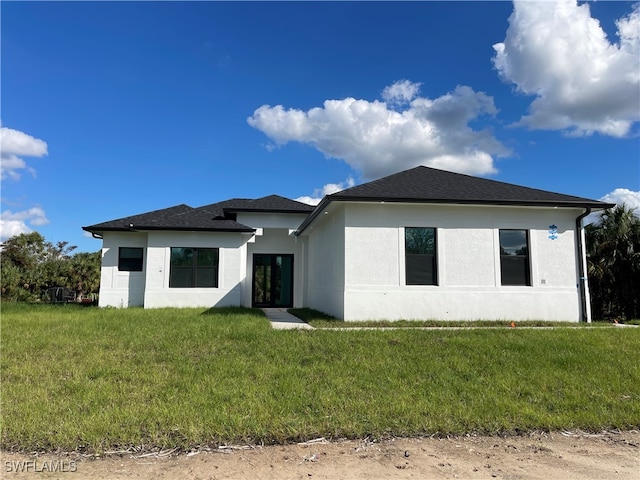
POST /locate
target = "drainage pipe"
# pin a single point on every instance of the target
(583, 283)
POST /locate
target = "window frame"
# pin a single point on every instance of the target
(523, 258)
(128, 263)
(433, 261)
(194, 268)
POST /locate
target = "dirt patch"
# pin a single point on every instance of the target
(535, 456)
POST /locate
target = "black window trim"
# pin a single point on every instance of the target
(527, 257)
(130, 264)
(194, 267)
(436, 274)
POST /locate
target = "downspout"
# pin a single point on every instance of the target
(583, 282)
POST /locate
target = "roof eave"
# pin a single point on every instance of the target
(594, 205)
(169, 229)
(316, 211)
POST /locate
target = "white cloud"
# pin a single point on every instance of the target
(377, 140)
(622, 195)
(16, 223)
(582, 82)
(14, 145)
(618, 196)
(401, 92)
(328, 189)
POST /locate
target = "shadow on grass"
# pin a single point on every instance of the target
(309, 315)
(254, 312)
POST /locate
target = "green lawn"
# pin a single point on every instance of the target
(92, 379)
(322, 320)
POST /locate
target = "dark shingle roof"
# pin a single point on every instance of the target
(430, 185)
(271, 204)
(212, 217)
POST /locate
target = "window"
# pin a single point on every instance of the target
(420, 256)
(514, 257)
(194, 268)
(130, 259)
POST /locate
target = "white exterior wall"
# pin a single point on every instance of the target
(289, 221)
(326, 263)
(350, 263)
(469, 285)
(121, 289)
(232, 254)
(150, 288)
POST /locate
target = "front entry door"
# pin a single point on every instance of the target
(272, 280)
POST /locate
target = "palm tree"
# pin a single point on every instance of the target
(613, 255)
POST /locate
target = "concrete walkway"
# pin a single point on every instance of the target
(282, 320)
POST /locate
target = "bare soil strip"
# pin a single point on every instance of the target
(565, 455)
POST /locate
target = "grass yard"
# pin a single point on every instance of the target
(92, 379)
(322, 320)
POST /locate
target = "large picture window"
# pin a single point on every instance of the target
(194, 268)
(130, 259)
(514, 257)
(420, 256)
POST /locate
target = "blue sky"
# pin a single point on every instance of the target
(110, 109)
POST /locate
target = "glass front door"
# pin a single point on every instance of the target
(272, 280)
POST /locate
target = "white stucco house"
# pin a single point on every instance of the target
(419, 244)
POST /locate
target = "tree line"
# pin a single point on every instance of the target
(613, 264)
(31, 265)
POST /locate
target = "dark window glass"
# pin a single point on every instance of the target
(181, 277)
(514, 257)
(194, 267)
(130, 259)
(420, 256)
(182, 257)
(207, 257)
(205, 277)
